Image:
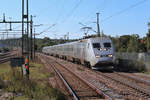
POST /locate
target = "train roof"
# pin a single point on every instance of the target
(82, 41)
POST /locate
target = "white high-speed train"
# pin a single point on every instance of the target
(94, 52)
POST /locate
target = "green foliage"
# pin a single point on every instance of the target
(130, 43)
(5, 49)
(142, 45)
(133, 43)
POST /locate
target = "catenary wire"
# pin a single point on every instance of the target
(124, 10)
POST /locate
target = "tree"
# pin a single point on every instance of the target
(46, 39)
(123, 43)
(116, 43)
(142, 45)
(133, 43)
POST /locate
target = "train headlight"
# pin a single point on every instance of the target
(105, 49)
(97, 56)
(100, 49)
(110, 55)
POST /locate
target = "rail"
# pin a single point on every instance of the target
(142, 90)
(134, 78)
(66, 84)
(6, 57)
(98, 91)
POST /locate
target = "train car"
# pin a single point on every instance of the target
(94, 52)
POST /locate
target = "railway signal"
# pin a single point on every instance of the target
(27, 67)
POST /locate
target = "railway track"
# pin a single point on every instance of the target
(139, 77)
(128, 89)
(4, 57)
(134, 79)
(112, 84)
(78, 87)
(55, 81)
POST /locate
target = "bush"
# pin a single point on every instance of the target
(130, 65)
(5, 49)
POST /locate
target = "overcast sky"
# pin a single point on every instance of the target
(117, 17)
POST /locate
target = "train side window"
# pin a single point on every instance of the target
(88, 45)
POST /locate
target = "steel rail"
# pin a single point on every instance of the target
(67, 85)
(6, 53)
(134, 78)
(3, 54)
(65, 82)
(98, 91)
(6, 58)
(142, 90)
(138, 88)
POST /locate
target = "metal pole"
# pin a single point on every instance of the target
(98, 28)
(31, 37)
(22, 25)
(28, 45)
(34, 43)
(22, 32)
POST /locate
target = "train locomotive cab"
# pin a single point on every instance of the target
(103, 53)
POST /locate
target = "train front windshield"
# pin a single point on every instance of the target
(96, 45)
(107, 45)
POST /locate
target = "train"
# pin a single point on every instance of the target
(95, 53)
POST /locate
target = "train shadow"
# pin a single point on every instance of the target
(105, 71)
(116, 70)
(119, 68)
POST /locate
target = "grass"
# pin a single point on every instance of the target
(147, 72)
(4, 68)
(37, 88)
(36, 71)
(21, 98)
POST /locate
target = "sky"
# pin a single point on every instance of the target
(117, 17)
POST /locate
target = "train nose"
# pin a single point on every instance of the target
(104, 57)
